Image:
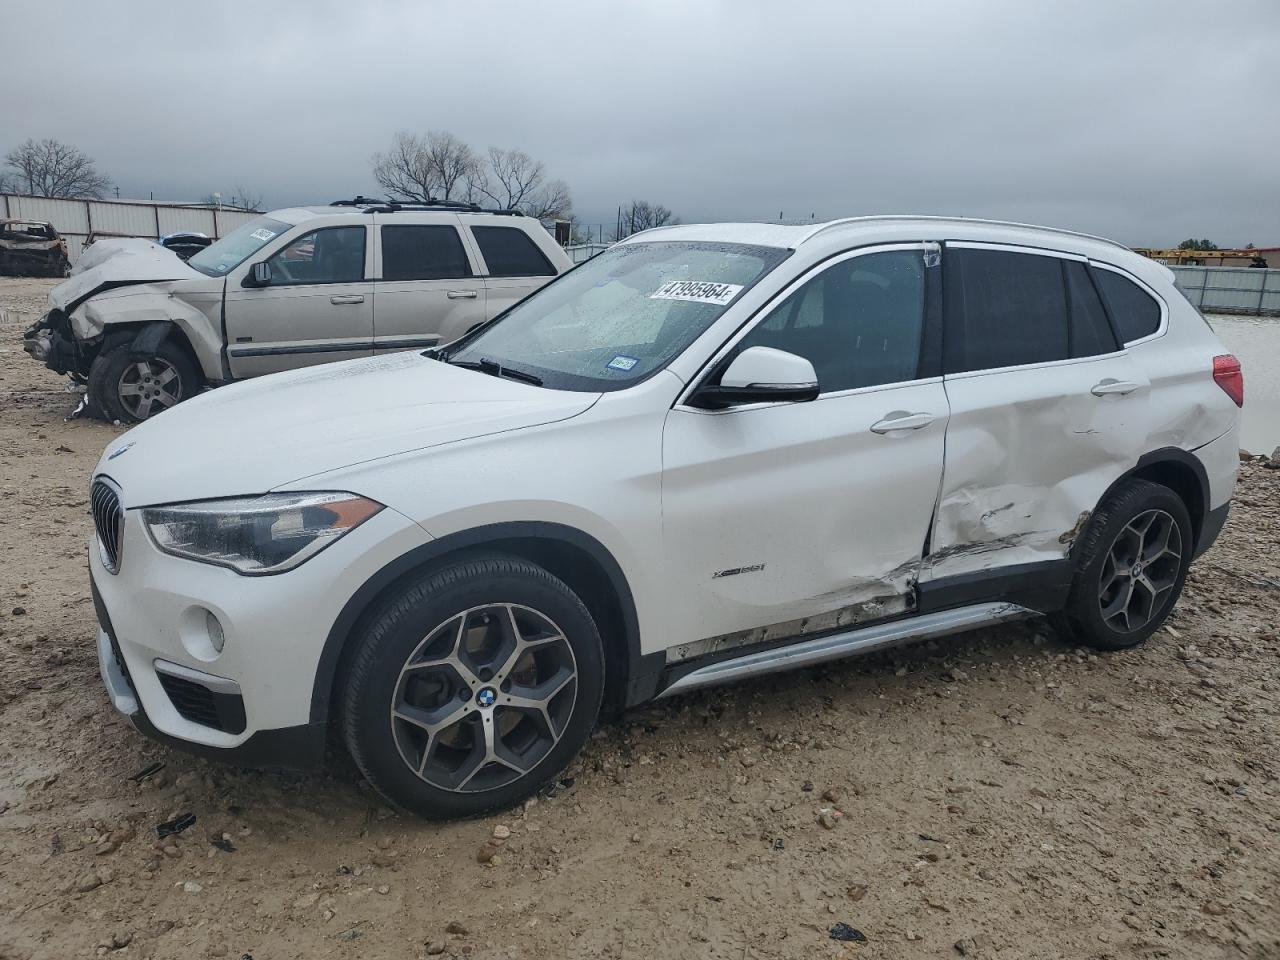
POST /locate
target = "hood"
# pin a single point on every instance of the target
(123, 265)
(254, 436)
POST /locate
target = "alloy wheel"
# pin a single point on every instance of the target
(149, 384)
(1140, 571)
(484, 697)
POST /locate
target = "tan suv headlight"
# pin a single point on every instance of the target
(257, 535)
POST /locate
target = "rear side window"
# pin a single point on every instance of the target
(509, 252)
(423, 253)
(1091, 333)
(1135, 312)
(1003, 310)
(859, 322)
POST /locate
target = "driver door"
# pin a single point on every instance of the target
(786, 519)
(317, 307)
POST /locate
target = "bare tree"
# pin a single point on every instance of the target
(237, 199)
(513, 180)
(50, 168)
(453, 162)
(438, 166)
(642, 215)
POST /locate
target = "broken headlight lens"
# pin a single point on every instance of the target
(257, 535)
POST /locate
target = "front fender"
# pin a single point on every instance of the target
(96, 317)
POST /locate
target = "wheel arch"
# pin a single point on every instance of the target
(575, 557)
(1180, 471)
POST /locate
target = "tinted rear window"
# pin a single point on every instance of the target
(1003, 310)
(423, 253)
(1135, 312)
(509, 252)
(1091, 333)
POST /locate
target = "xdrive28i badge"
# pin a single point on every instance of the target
(119, 450)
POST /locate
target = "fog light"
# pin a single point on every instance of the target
(216, 637)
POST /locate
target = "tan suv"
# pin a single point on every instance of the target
(295, 287)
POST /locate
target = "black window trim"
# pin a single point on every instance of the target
(1145, 287)
(1071, 314)
(488, 275)
(472, 258)
(364, 263)
(959, 244)
(720, 358)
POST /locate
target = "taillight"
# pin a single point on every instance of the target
(1228, 375)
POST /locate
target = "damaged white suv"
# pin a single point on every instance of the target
(144, 330)
(709, 453)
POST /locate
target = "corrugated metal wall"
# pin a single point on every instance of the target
(1246, 290)
(77, 219)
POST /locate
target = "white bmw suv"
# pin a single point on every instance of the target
(709, 453)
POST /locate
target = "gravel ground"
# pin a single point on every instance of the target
(997, 795)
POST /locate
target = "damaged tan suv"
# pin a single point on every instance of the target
(145, 330)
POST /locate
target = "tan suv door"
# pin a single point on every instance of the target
(317, 307)
(428, 290)
(515, 266)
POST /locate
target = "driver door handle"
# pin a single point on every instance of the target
(351, 298)
(1109, 387)
(462, 294)
(902, 421)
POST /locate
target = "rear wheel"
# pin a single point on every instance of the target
(472, 687)
(1132, 562)
(130, 388)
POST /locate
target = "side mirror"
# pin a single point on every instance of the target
(761, 375)
(258, 276)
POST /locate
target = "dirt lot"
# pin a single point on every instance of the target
(999, 795)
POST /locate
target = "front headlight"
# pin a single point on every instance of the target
(257, 535)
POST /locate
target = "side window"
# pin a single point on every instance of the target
(1003, 310)
(1091, 333)
(859, 322)
(423, 253)
(1135, 313)
(329, 255)
(509, 252)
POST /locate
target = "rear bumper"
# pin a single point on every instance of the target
(1214, 521)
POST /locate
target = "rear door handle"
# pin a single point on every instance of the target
(1108, 387)
(902, 421)
(462, 294)
(352, 298)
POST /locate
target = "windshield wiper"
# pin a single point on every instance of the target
(495, 369)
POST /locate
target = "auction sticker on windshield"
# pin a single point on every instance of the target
(262, 234)
(697, 291)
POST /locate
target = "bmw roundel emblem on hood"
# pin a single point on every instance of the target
(119, 450)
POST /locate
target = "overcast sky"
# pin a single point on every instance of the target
(1146, 121)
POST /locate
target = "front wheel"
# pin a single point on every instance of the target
(131, 388)
(1131, 563)
(472, 687)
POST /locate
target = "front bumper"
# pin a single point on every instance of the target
(300, 748)
(251, 703)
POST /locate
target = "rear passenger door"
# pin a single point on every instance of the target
(514, 265)
(1047, 408)
(428, 289)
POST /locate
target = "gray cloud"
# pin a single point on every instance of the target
(1148, 122)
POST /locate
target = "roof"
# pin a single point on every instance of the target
(791, 236)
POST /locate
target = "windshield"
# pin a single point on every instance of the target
(621, 316)
(237, 246)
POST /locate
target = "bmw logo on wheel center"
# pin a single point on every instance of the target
(486, 697)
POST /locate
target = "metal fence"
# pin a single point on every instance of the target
(1247, 290)
(76, 220)
(579, 252)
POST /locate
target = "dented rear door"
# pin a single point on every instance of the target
(1046, 409)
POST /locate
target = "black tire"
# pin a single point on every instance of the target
(118, 362)
(461, 605)
(1114, 545)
